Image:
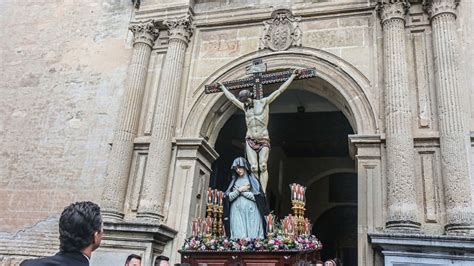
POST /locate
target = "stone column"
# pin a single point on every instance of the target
(113, 196)
(159, 156)
(452, 130)
(366, 150)
(402, 205)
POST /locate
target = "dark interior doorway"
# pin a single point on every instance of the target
(308, 137)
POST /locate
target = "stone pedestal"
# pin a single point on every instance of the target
(122, 239)
(402, 205)
(145, 33)
(428, 250)
(452, 128)
(150, 207)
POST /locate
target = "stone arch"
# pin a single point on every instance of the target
(346, 88)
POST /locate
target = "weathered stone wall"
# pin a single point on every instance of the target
(62, 72)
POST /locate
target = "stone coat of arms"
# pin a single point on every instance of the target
(281, 31)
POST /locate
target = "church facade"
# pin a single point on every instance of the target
(108, 104)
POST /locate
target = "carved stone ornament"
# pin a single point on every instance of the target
(179, 28)
(437, 7)
(144, 31)
(392, 9)
(281, 32)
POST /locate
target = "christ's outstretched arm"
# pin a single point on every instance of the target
(283, 87)
(231, 96)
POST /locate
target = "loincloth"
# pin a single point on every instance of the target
(257, 145)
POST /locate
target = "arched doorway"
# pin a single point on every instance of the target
(339, 83)
(309, 139)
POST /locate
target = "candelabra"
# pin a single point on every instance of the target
(221, 211)
(298, 201)
(215, 210)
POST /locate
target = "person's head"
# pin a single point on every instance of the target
(162, 261)
(80, 227)
(240, 170)
(245, 96)
(133, 260)
(333, 262)
(240, 166)
(319, 263)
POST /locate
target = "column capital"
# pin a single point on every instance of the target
(179, 28)
(144, 31)
(437, 7)
(392, 9)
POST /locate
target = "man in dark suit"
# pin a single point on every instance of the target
(80, 233)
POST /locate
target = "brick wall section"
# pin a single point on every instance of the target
(62, 71)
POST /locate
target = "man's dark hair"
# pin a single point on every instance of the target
(161, 258)
(132, 256)
(244, 94)
(77, 225)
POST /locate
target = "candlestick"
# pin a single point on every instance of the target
(285, 225)
(199, 232)
(208, 225)
(215, 197)
(203, 227)
(219, 222)
(294, 192)
(209, 195)
(194, 228)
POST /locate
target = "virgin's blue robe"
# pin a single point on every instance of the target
(247, 206)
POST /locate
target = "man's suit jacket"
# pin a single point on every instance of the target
(61, 258)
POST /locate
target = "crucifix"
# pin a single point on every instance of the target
(259, 78)
(256, 108)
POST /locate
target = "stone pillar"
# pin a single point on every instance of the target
(366, 150)
(113, 196)
(194, 158)
(159, 156)
(452, 130)
(402, 205)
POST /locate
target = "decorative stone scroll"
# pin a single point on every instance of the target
(145, 32)
(437, 7)
(394, 9)
(281, 32)
(179, 28)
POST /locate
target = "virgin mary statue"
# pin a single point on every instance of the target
(246, 204)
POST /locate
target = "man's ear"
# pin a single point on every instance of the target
(97, 237)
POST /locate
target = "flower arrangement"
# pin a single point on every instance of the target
(291, 233)
(277, 243)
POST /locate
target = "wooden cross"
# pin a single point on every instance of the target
(259, 78)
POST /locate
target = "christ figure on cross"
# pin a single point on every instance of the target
(256, 117)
